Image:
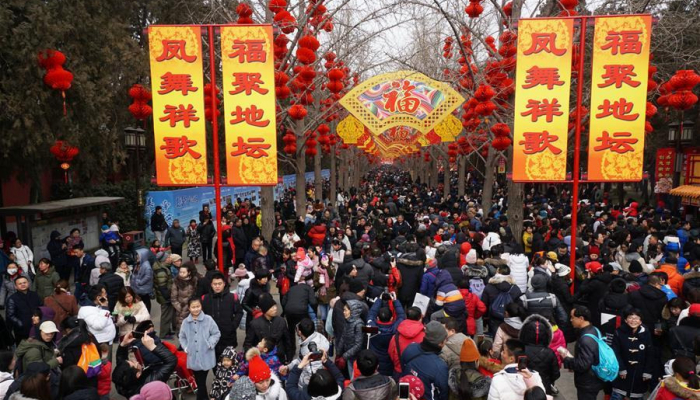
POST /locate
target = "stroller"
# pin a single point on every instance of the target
(182, 380)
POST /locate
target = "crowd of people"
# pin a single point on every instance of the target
(388, 292)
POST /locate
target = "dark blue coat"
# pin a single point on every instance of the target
(634, 355)
(380, 343)
(429, 368)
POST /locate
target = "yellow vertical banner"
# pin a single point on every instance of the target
(177, 82)
(618, 98)
(542, 82)
(249, 105)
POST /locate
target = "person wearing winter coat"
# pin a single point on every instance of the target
(97, 316)
(129, 376)
(62, 303)
(269, 325)
(465, 380)
(257, 288)
(142, 277)
(675, 279)
(370, 385)
(20, 307)
(130, 311)
(351, 342)
(511, 383)
(45, 279)
(386, 314)
(184, 288)
(175, 237)
(7, 367)
(223, 373)
(158, 223)
(502, 282)
(112, 282)
(475, 308)
(650, 299)
(585, 355)
(423, 360)
(449, 302)
(75, 385)
(267, 384)
(356, 291)
(24, 257)
(57, 249)
(226, 310)
(518, 264)
(296, 306)
(540, 301)
(450, 262)
(593, 289)
(317, 233)
(453, 345)
(681, 337)
(410, 264)
(612, 306)
(198, 338)
(684, 384)
(7, 289)
(427, 286)
(632, 346)
(510, 327)
(324, 384)
(307, 335)
(41, 348)
(536, 335)
(411, 330)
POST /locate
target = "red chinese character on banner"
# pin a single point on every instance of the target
(623, 42)
(617, 75)
(179, 146)
(251, 50)
(620, 109)
(537, 142)
(407, 103)
(254, 147)
(180, 114)
(175, 49)
(546, 42)
(250, 115)
(542, 76)
(247, 82)
(176, 82)
(620, 142)
(544, 108)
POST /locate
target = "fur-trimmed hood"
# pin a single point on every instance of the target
(498, 278)
(679, 390)
(666, 312)
(489, 365)
(536, 330)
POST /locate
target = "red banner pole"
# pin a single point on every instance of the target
(215, 145)
(577, 148)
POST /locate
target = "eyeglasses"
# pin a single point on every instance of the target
(633, 318)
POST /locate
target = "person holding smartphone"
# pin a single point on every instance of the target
(515, 378)
(97, 317)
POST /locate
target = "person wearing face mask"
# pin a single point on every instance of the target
(632, 346)
(7, 288)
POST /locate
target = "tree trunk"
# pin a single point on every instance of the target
(334, 179)
(301, 177)
(461, 184)
(515, 205)
(267, 209)
(446, 180)
(489, 176)
(318, 181)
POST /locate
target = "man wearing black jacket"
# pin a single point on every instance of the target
(112, 282)
(296, 307)
(586, 381)
(130, 376)
(226, 310)
(270, 325)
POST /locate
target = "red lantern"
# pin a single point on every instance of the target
(56, 77)
(682, 100)
(501, 143)
(297, 112)
(277, 5)
(309, 42)
(140, 109)
(64, 153)
(474, 9)
(305, 55)
(208, 99)
(684, 80)
(508, 9)
(500, 130)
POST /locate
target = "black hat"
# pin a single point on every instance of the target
(635, 267)
(356, 286)
(266, 302)
(38, 368)
(618, 285)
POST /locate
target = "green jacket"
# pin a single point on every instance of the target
(162, 282)
(34, 350)
(44, 284)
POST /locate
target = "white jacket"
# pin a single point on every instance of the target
(5, 382)
(274, 392)
(512, 386)
(518, 264)
(138, 310)
(99, 323)
(24, 256)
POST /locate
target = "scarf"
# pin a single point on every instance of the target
(326, 280)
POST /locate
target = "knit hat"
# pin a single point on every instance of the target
(356, 286)
(694, 310)
(266, 302)
(175, 257)
(562, 270)
(240, 272)
(155, 390)
(594, 267)
(618, 285)
(470, 258)
(415, 385)
(435, 333)
(105, 228)
(594, 250)
(301, 253)
(465, 247)
(229, 352)
(437, 238)
(539, 282)
(552, 256)
(469, 351)
(243, 389)
(635, 267)
(258, 370)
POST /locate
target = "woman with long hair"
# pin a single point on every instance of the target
(683, 384)
(194, 245)
(75, 385)
(184, 287)
(62, 302)
(129, 311)
(33, 387)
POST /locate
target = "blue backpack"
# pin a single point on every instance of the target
(607, 367)
(497, 309)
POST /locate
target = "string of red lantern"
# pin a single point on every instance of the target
(245, 13)
(207, 101)
(64, 153)
(139, 108)
(56, 77)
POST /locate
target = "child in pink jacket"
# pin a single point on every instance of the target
(558, 340)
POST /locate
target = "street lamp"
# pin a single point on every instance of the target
(135, 138)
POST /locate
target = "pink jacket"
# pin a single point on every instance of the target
(557, 341)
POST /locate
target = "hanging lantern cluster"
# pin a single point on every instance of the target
(501, 133)
(470, 119)
(572, 117)
(311, 145)
(65, 154)
(508, 9)
(297, 112)
(465, 68)
(452, 151)
(139, 108)
(483, 95)
(324, 138)
(464, 146)
(681, 85)
(306, 52)
(335, 80)
(245, 14)
(447, 47)
(652, 84)
(474, 9)
(56, 77)
(284, 20)
(426, 157)
(568, 7)
(208, 99)
(319, 18)
(290, 143)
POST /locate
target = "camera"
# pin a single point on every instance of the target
(316, 354)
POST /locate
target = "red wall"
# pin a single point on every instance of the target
(16, 193)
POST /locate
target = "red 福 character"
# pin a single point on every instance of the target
(537, 142)
(620, 142)
(618, 75)
(251, 51)
(250, 115)
(180, 114)
(247, 82)
(623, 42)
(170, 82)
(179, 146)
(402, 102)
(542, 76)
(546, 42)
(620, 109)
(537, 109)
(175, 49)
(254, 147)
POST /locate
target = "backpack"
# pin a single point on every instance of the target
(476, 286)
(497, 309)
(90, 360)
(607, 367)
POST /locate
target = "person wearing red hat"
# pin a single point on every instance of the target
(267, 384)
(593, 288)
